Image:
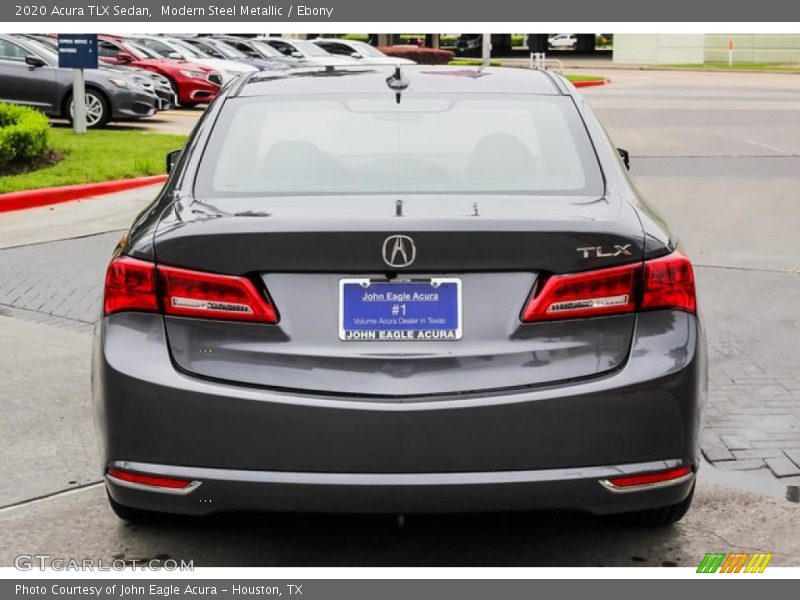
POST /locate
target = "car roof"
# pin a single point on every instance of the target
(421, 79)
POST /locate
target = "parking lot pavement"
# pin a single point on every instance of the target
(719, 156)
(47, 426)
(74, 219)
(62, 280)
(708, 151)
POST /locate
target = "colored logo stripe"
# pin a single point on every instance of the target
(734, 563)
(711, 562)
(758, 563)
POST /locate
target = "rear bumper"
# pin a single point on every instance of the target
(216, 490)
(543, 447)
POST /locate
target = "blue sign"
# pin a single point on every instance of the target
(77, 50)
(400, 311)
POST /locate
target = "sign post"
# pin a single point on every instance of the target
(78, 51)
(79, 110)
(486, 49)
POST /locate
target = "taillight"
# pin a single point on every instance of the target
(130, 285)
(197, 294)
(666, 282)
(136, 285)
(669, 283)
(602, 292)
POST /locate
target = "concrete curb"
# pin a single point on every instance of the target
(55, 195)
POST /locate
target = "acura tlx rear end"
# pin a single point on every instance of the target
(370, 291)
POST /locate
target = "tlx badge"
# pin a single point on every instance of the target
(598, 252)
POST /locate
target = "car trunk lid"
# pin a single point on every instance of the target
(496, 247)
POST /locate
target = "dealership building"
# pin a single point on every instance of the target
(698, 48)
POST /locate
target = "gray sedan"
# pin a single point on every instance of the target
(400, 289)
(29, 74)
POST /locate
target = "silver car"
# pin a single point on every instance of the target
(363, 53)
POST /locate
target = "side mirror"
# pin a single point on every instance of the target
(174, 56)
(296, 54)
(124, 57)
(34, 61)
(355, 54)
(626, 157)
(172, 159)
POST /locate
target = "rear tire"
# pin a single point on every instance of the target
(136, 516)
(661, 516)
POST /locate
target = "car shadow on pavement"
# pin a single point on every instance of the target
(507, 539)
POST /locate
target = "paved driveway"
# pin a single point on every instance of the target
(718, 154)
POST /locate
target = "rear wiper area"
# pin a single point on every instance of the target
(211, 211)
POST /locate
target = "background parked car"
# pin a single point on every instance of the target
(177, 49)
(29, 74)
(192, 83)
(469, 44)
(150, 81)
(362, 52)
(222, 50)
(257, 49)
(562, 41)
(308, 53)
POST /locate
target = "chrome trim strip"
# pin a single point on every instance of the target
(153, 488)
(645, 486)
(398, 479)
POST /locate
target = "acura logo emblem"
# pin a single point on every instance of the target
(399, 251)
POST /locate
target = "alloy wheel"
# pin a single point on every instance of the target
(95, 110)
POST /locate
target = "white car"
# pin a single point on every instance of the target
(562, 40)
(178, 49)
(363, 53)
(308, 53)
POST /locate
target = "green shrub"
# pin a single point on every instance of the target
(24, 134)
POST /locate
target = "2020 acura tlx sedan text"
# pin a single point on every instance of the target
(420, 290)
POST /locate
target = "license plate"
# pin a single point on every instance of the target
(406, 310)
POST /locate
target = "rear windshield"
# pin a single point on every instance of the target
(370, 144)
